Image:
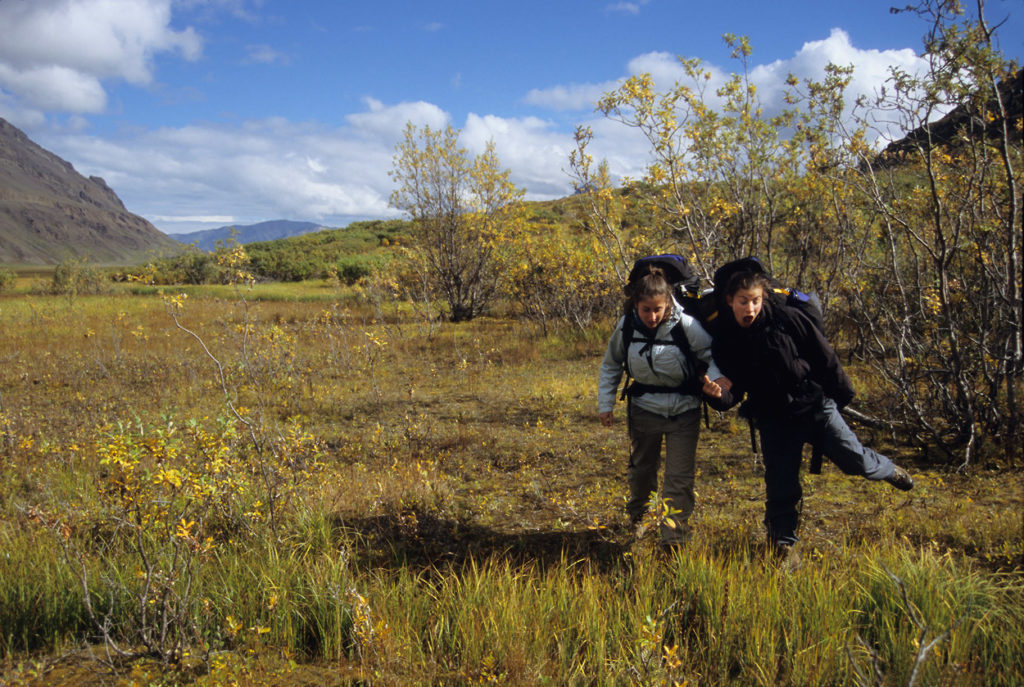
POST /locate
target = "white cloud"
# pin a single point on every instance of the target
(201, 176)
(193, 177)
(571, 97)
(204, 175)
(389, 122)
(315, 165)
(532, 149)
(264, 54)
(194, 219)
(626, 7)
(99, 39)
(666, 69)
(54, 87)
(871, 67)
(625, 149)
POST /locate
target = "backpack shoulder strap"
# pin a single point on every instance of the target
(628, 327)
(679, 338)
(678, 335)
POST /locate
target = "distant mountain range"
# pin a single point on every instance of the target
(50, 213)
(249, 233)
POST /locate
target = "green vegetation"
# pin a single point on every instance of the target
(316, 490)
(347, 254)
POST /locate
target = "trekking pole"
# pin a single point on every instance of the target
(753, 440)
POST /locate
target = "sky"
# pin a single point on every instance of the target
(206, 113)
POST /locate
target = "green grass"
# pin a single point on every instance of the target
(463, 521)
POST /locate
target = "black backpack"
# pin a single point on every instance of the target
(686, 290)
(676, 268)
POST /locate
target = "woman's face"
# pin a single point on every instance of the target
(746, 305)
(652, 310)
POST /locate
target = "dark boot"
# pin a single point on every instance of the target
(901, 479)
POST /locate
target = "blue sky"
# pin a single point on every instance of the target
(201, 113)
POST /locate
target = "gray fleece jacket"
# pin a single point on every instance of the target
(663, 364)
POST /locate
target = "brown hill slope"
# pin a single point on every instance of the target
(958, 122)
(49, 212)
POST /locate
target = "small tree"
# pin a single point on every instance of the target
(719, 178)
(946, 331)
(461, 208)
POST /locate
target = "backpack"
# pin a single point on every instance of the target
(685, 283)
(676, 268)
(686, 290)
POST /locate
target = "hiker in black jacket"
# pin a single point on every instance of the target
(795, 386)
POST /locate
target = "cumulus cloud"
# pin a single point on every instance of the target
(99, 39)
(388, 122)
(194, 177)
(571, 97)
(189, 178)
(534, 151)
(626, 150)
(871, 69)
(200, 176)
(53, 87)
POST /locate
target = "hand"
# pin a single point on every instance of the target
(713, 389)
(605, 418)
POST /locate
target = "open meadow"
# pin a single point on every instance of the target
(299, 484)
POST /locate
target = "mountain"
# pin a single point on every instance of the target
(49, 212)
(945, 131)
(249, 233)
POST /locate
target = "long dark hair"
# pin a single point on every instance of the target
(747, 281)
(652, 284)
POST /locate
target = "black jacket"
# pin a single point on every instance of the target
(782, 363)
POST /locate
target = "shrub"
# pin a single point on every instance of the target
(76, 278)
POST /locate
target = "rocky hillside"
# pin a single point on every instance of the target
(50, 213)
(958, 122)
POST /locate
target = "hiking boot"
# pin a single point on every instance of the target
(901, 479)
(786, 556)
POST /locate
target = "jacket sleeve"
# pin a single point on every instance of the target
(611, 371)
(734, 395)
(700, 344)
(825, 367)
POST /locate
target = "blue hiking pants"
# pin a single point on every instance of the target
(782, 442)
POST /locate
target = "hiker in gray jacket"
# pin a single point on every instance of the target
(665, 356)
